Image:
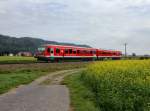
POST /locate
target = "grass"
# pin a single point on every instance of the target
(120, 85)
(13, 79)
(14, 75)
(16, 59)
(82, 99)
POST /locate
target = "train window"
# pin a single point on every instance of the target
(91, 52)
(88, 52)
(82, 52)
(74, 51)
(94, 52)
(41, 49)
(57, 50)
(48, 50)
(70, 51)
(85, 52)
(66, 51)
(78, 51)
(103, 52)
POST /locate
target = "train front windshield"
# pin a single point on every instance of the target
(41, 49)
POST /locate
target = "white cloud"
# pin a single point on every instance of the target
(100, 23)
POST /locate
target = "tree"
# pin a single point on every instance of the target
(133, 54)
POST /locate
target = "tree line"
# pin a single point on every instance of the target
(15, 45)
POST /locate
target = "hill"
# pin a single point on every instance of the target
(14, 45)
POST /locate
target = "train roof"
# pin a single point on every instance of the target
(69, 46)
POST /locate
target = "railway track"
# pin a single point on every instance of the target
(40, 62)
(20, 62)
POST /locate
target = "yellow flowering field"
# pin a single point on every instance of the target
(120, 85)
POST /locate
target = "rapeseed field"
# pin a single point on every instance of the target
(119, 85)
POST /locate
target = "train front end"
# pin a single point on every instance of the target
(45, 53)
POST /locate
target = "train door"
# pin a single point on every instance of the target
(62, 52)
(52, 51)
(95, 53)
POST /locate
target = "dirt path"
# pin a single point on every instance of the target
(44, 94)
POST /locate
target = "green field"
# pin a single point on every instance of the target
(82, 99)
(16, 59)
(116, 86)
(13, 75)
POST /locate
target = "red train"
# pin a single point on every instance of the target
(63, 52)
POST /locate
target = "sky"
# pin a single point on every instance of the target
(106, 24)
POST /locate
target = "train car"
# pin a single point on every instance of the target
(102, 54)
(62, 52)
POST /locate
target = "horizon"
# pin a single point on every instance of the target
(106, 24)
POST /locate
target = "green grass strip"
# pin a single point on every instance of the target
(82, 99)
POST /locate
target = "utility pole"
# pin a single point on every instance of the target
(125, 49)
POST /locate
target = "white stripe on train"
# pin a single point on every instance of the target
(83, 56)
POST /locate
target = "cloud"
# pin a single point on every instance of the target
(99, 23)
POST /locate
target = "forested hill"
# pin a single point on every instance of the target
(14, 45)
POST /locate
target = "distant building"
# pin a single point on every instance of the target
(11, 54)
(27, 54)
